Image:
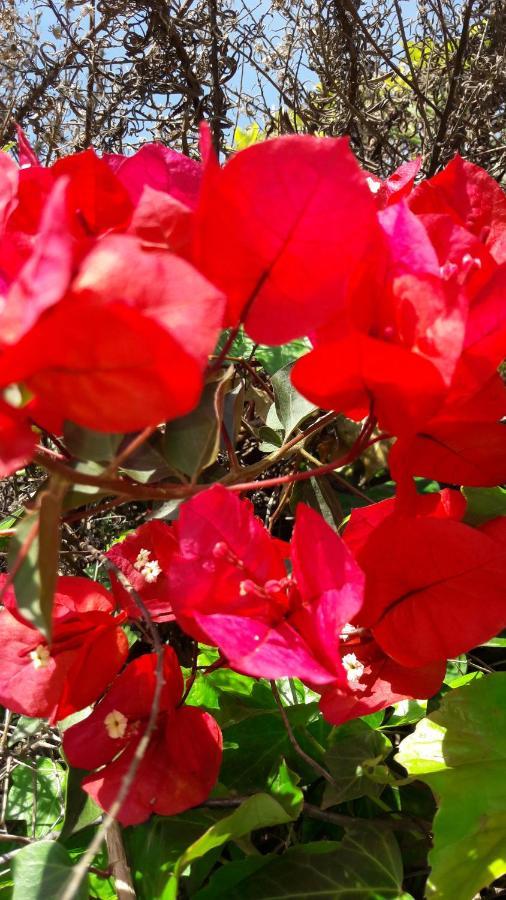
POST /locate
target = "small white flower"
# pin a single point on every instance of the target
(151, 571)
(373, 185)
(346, 631)
(354, 668)
(40, 657)
(142, 559)
(115, 724)
(149, 568)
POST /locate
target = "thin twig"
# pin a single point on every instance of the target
(323, 773)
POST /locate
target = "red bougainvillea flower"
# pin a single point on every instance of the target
(465, 443)
(17, 440)
(159, 168)
(471, 197)
(144, 558)
(181, 764)
(113, 335)
(397, 186)
(375, 680)
(87, 649)
(375, 676)
(400, 339)
(229, 588)
(426, 576)
(280, 229)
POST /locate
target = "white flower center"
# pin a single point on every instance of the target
(40, 656)
(346, 631)
(354, 668)
(373, 185)
(115, 724)
(149, 568)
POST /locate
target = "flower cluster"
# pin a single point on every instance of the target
(116, 276)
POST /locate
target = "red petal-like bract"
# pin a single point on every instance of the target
(229, 588)
(160, 169)
(280, 229)
(112, 332)
(399, 184)
(344, 375)
(86, 651)
(426, 578)
(473, 199)
(107, 367)
(383, 683)
(26, 155)
(17, 440)
(144, 558)
(181, 764)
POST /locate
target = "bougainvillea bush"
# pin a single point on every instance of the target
(286, 681)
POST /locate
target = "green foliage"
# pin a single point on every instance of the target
(36, 797)
(364, 866)
(355, 753)
(245, 137)
(460, 752)
(484, 504)
(86, 444)
(41, 871)
(258, 811)
(291, 407)
(80, 810)
(154, 848)
(271, 358)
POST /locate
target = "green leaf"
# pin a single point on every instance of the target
(36, 796)
(495, 642)
(192, 442)
(259, 811)
(406, 712)
(320, 495)
(365, 865)
(230, 876)
(271, 358)
(82, 494)
(245, 137)
(41, 871)
(284, 787)
(154, 847)
(484, 504)
(456, 668)
(263, 743)
(86, 444)
(291, 407)
(22, 559)
(148, 464)
(460, 751)
(356, 751)
(80, 810)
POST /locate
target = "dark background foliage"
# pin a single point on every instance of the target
(399, 77)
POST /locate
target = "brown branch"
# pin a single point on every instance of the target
(120, 870)
(452, 89)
